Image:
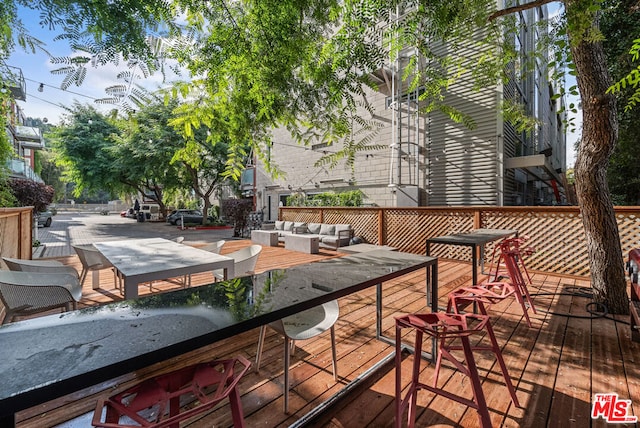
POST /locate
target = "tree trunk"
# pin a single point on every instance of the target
(599, 136)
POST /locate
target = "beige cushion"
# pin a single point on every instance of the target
(329, 239)
(279, 225)
(288, 225)
(300, 227)
(314, 228)
(327, 229)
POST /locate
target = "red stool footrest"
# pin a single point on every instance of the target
(147, 404)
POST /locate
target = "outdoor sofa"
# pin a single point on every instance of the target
(331, 235)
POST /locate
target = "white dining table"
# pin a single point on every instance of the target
(150, 259)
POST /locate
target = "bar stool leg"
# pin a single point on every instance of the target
(478, 394)
(398, 361)
(415, 375)
(236, 408)
(498, 353)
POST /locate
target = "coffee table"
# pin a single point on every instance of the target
(268, 238)
(309, 244)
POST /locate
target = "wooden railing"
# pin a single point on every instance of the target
(15, 232)
(555, 232)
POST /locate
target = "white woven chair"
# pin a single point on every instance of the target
(214, 247)
(41, 266)
(302, 326)
(93, 260)
(245, 260)
(26, 293)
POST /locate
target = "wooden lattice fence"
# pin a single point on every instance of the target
(555, 232)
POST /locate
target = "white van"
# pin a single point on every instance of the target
(151, 211)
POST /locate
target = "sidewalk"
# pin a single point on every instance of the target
(73, 228)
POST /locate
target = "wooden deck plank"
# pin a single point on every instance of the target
(552, 365)
(572, 393)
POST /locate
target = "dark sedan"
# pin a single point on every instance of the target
(188, 216)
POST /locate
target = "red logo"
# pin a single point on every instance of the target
(612, 409)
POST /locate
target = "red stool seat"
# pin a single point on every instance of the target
(156, 402)
(441, 326)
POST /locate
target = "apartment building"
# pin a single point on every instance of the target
(25, 139)
(428, 159)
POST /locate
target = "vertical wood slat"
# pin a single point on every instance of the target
(556, 232)
(16, 232)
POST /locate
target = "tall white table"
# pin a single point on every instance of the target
(151, 259)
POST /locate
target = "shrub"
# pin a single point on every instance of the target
(237, 210)
(351, 198)
(31, 193)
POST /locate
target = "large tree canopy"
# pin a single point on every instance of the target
(620, 17)
(81, 145)
(143, 151)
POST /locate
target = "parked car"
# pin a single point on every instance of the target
(130, 213)
(150, 211)
(190, 216)
(44, 218)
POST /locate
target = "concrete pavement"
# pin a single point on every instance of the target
(76, 228)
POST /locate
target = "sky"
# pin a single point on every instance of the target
(37, 68)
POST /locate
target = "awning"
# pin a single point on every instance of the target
(537, 165)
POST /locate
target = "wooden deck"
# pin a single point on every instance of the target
(557, 365)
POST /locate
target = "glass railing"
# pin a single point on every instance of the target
(20, 169)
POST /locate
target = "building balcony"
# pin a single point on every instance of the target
(28, 137)
(19, 169)
(15, 80)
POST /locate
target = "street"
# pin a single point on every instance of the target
(79, 228)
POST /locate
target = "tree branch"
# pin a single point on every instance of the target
(518, 8)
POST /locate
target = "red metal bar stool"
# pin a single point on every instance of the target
(156, 402)
(515, 246)
(511, 254)
(483, 295)
(440, 326)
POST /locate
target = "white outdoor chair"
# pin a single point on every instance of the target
(245, 260)
(26, 293)
(301, 326)
(93, 260)
(41, 266)
(214, 247)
